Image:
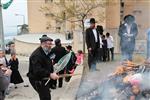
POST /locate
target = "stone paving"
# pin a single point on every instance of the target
(27, 93)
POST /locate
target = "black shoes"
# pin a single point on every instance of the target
(16, 87)
(60, 86)
(26, 85)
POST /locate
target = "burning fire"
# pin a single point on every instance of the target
(130, 81)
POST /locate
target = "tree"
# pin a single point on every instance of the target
(74, 11)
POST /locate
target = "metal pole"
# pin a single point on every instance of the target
(23, 16)
(23, 19)
(1, 29)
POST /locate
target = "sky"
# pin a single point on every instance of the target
(10, 20)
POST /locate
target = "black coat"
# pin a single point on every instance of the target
(15, 76)
(104, 46)
(59, 51)
(40, 65)
(71, 64)
(126, 45)
(90, 39)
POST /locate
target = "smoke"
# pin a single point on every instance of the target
(94, 88)
(88, 84)
(113, 87)
(104, 91)
(145, 84)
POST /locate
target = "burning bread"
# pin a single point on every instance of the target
(129, 64)
(119, 70)
(126, 79)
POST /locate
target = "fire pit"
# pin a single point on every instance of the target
(129, 81)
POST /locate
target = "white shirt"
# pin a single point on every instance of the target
(95, 34)
(100, 40)
(110, 42)
(128, 28)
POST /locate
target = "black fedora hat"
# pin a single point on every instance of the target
(129, 17)
(45, 38)
(92, 21)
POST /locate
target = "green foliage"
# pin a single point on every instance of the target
(76, 9)
(73, 11)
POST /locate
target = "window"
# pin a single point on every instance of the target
(121, 10)
(48, 1)
(58, 26)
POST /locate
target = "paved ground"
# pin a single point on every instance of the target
(27, 93)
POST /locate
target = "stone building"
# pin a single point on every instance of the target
(113, 12)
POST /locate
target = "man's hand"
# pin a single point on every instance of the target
(54, 76)
(130, 35)
(7, 71)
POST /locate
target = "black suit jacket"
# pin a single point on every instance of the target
(40, 65)
(59, 51)
(90, 39)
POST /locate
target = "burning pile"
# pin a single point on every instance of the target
(130, 81)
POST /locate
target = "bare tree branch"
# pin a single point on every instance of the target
(73, 12)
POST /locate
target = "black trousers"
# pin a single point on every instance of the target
(2, 95)
(100, 54)
(110, 50)
(60, 80)
(54, 82)
(41, 89)
(93, 57)
(105, 54)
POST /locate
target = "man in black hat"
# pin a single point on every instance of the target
(127, 33)
(40, 68)
(92, 41)
(59, 52)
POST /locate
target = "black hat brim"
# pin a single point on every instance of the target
(43, 39)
